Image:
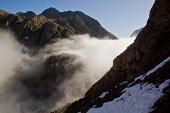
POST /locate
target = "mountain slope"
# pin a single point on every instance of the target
(140, 95)
(38, 30)
(150, 48)
(85, 24)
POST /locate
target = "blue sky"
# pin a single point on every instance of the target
(121, 17)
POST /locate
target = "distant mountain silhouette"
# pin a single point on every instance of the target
(38, 30)
(136, 32)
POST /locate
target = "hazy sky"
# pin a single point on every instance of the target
(121, 17)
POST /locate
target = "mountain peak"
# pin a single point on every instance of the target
(136, 32)
(29, 14)
(50, 12)
(51, 9)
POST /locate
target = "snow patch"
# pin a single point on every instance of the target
(103, 94)
(136, 99)
(142, 77)
(123, 83)
(139, 98)
(27, 37)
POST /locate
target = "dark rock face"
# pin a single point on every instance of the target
(51, 13)
(37, 30)
(151, 46)
(136, 32)
(28, 14)
(162, 105)
(85, 24)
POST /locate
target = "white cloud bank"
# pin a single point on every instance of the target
(96, 56)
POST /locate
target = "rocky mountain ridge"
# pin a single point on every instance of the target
(39, 30)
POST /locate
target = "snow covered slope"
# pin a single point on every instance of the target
(138, 98)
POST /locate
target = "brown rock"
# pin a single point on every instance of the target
(151, 46)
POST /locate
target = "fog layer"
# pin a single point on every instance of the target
(25, 82)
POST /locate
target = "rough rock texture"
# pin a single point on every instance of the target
(86, 23)
(38, 30)
(151, 46)
(162, 105)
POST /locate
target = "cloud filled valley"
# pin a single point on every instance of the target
(57, 74)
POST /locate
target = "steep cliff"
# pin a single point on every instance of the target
(135, 67)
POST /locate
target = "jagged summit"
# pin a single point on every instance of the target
(50, 12)
(51, 24)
